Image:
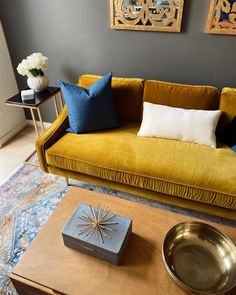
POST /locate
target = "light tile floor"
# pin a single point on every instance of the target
(13, 154)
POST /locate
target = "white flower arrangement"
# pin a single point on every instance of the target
(33, 65)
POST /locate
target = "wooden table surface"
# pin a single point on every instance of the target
(49, 266)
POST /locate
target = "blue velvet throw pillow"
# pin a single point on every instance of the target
(90, 109)
(228, 135)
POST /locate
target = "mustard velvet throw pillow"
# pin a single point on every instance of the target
(90, 109)
(197, 126)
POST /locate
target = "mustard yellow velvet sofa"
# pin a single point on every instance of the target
(189, 175)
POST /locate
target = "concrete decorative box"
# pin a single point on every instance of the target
(97, 232)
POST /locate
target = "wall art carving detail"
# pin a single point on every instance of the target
(147, 15)
(222, 17)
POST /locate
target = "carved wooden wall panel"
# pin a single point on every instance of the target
(222, 17)
(150, 15)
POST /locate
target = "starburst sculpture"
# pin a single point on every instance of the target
(98, 222)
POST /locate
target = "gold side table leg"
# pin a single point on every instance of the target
(37, 133)
(67, 181)
(35, 124)
(28, 158)
(40, 119)
(55, 105)
(61, 100)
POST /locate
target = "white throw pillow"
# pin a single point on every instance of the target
(196, 126)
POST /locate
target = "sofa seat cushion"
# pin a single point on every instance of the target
(176, 168)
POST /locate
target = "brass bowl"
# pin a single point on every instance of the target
(200, 258)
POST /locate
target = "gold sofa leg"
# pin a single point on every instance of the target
(67, 181)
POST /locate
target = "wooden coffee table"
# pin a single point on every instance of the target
(48, 267)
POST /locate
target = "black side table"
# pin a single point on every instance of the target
(34, 104)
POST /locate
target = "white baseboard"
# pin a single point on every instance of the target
(18, 128)
(13, 132)
(31, 123)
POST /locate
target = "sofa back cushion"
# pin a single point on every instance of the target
(127, 94)
(227, 107)
(181, 96)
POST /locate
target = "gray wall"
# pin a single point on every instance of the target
(77, 38)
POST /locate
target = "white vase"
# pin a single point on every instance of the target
(38, 83)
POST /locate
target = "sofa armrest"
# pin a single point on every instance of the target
(50, 137)
(227, 107)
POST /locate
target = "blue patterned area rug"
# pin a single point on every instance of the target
(29, 197)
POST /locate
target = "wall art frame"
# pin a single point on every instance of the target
(146, 15)
(222, 17)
